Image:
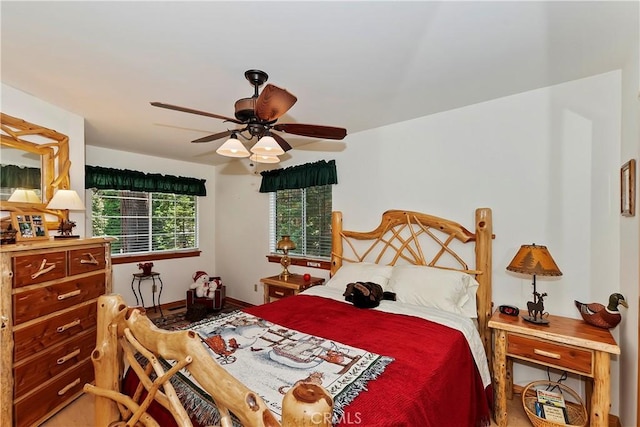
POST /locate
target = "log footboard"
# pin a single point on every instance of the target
(124, 331)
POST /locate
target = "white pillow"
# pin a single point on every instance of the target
(360, 272)
(447, 290)
(470, 308)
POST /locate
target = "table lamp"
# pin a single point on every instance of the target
(23, 195)
(66, 200)
(537, 261)
(285, 245)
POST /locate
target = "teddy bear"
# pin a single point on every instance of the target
(366, 294)
(202, 285)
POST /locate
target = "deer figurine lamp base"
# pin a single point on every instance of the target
(536, 308)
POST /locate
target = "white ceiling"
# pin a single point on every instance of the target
(358, 65)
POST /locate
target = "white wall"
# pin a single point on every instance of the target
(175, 273)
(627, 332)
(545, 161)
(33, 110)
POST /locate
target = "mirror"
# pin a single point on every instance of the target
(13, 162)
(23, 140)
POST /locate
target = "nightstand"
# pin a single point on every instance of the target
(276, 287)
(565, 344)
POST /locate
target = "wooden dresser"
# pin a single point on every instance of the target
(48, 297)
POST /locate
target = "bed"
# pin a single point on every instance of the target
(418, 360)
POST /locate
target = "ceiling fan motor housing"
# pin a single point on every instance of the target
(245, 109)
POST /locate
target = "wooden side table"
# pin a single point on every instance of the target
(566, 344)
(276, 287)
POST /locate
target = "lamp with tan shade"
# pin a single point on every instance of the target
(66, 200)
(537, 261)
(285, 245)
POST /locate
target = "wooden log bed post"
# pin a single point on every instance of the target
(484, 241)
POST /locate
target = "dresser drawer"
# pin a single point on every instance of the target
(86, 260)
(34, 338)
(49, 299)
(33, 406)
(31, 269)
(561, 356)
(276, 292)
(51, 362)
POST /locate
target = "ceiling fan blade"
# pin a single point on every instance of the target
(273, 102)
(314, 131)
(281, 142)
(214, 136)
(192, 111)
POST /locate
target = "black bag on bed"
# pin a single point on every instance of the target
(366, 294)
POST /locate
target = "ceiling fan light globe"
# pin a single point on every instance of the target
(263, 158)
(232, 148)
(267, 146)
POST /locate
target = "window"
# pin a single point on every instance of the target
(305, 215)
(145, 222)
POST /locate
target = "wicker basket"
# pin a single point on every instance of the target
(576, 410)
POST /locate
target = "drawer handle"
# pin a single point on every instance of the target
(71, 355)
(546, 353)
(91, 259)
(279, 293)
(42, 270)
(68, 325)
(68, 387)
(69, 295)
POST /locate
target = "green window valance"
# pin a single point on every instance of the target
(12, 176)
(124, 179)
(301, 176)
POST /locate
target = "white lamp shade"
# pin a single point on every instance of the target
(261, 158)
(232, 148)
(267, 146)
(24, 196)
(66, 199)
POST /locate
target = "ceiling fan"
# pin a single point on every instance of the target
(257, 117)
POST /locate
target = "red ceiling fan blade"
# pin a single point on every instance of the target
(281, 142)
(214, 136)
(192, 111)
(273, 102)
(314, 131)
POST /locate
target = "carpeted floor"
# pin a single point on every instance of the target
(176, 318)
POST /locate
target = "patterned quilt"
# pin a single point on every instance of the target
(272, 358)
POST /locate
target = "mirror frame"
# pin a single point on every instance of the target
(55, 161)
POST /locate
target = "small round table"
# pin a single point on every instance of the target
(153, 276)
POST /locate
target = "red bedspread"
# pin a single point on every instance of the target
(433, 380)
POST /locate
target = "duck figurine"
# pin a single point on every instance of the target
(598, 315)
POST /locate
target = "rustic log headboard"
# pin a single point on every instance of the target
(422, 239)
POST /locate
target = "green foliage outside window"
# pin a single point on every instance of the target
(145, 222)
(305, 215)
